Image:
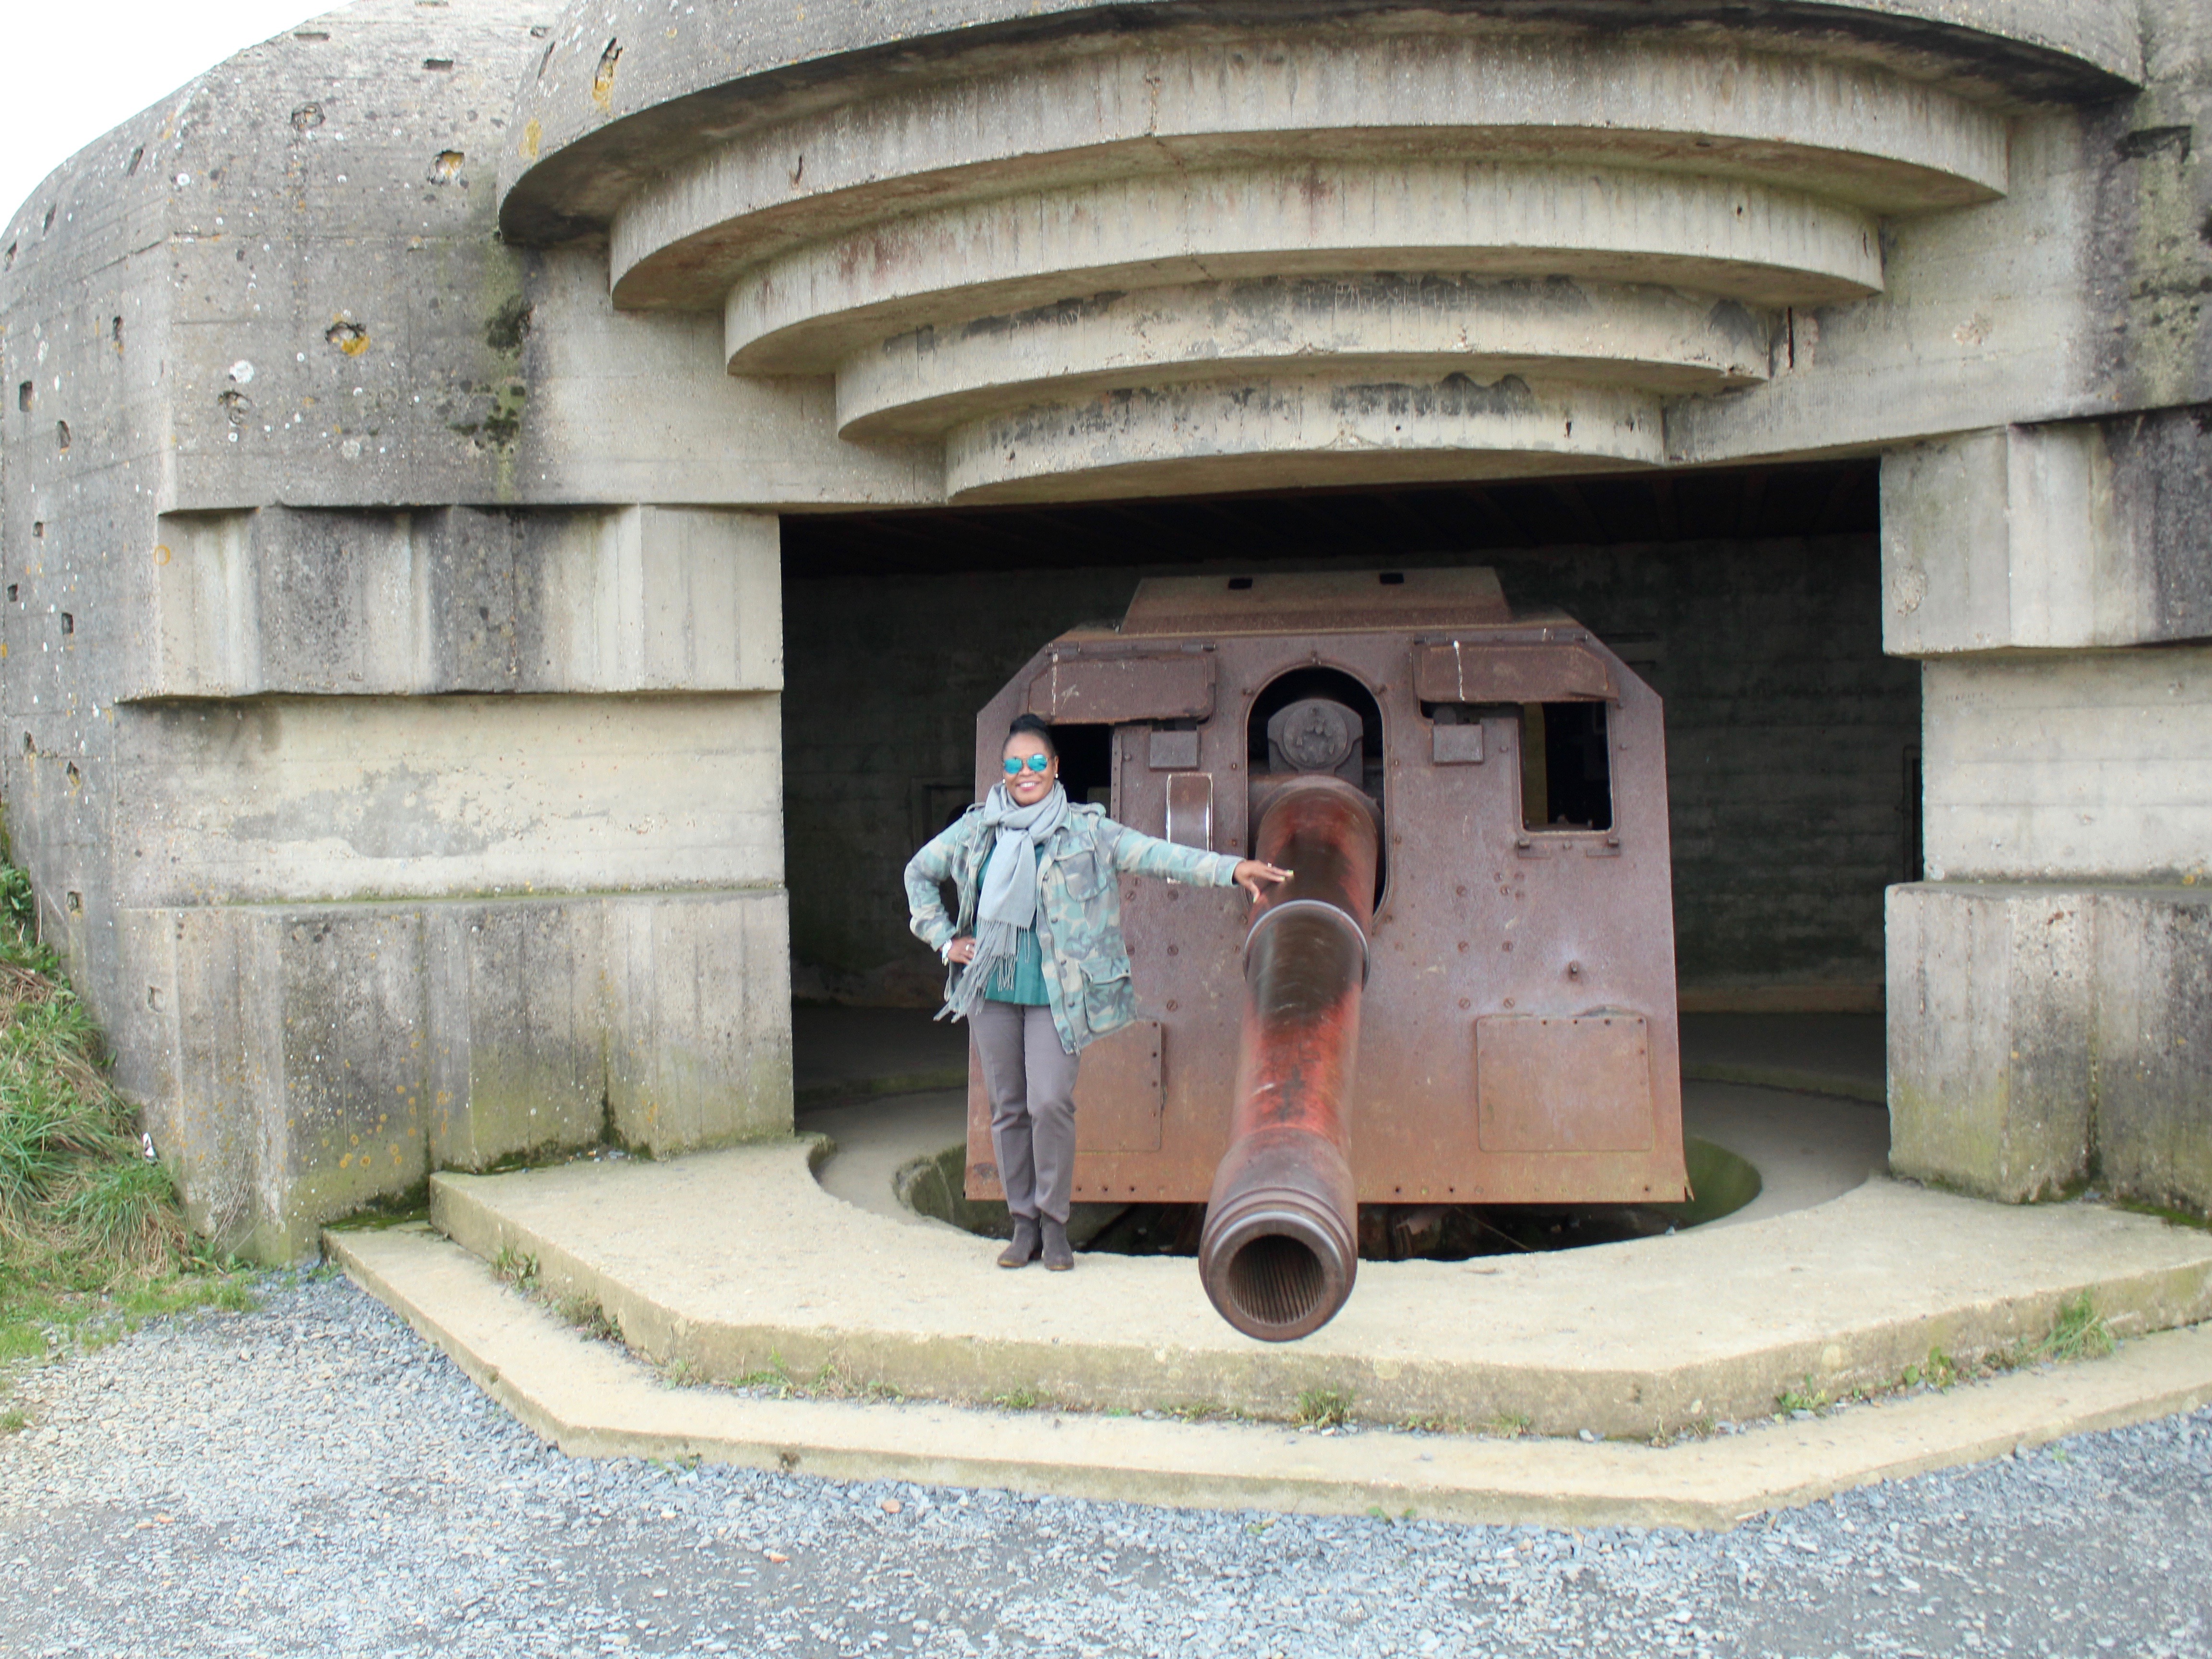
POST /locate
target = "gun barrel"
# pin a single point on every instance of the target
(1281, 1242)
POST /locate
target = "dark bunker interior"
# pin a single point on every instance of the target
(1749, 598)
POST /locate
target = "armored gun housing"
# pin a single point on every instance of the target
(1465, 995)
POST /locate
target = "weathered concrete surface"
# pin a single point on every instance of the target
(804, 310)
(356, 604)
(307, 1060)
(2045, 1037)
(2076, 296)
(1850, 132)
(1264, 432)
(2074, 766)
(733, 1262)
(268, 371)
(620, 97)
(1374, 328)
(2072, 535)
(591, 1402)
(282, 797)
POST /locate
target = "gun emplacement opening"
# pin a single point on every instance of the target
(1465, 995)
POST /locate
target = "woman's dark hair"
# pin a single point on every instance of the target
(1035, 725)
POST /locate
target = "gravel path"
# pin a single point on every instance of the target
(312, 1479)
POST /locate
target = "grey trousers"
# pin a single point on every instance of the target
(1030, 1079)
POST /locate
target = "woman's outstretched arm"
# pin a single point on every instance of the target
(1137, 853)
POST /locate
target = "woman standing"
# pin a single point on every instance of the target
(1039, 968)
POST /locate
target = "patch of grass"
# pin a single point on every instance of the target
(1024, 1399)
(2080, 1333)
(1809, 1398)
(515, 1267)
(14, 1420)
(1201, 1411)
(586, 1314)
(772, 1376)
(1433, 1423)
(93, 1241)
(1323, 1408)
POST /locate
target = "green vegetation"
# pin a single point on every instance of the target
(1324, 1408)
(515, 1267)
(2080, 1333)
(1809, 1398)
(92, 1241)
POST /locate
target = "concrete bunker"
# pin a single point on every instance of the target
(395, 678)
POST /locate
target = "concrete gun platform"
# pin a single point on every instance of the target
(788, 1269)
(738, 1265)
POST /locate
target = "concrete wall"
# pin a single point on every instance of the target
(386, 821)
(1787, 735)
(2047, 986)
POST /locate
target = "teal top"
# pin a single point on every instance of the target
(1022, 980)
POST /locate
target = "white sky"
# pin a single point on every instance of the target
(100, 62)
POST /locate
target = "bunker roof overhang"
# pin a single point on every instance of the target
(1189, 244)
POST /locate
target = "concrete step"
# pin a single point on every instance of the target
(737, 1262)
(592, 1399)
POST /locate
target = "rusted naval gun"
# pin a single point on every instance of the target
(1466, 994)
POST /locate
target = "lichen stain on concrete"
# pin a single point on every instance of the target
(1455, 396)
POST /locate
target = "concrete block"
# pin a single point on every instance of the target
(627, 406)
(298, 1062)
(1992, 1055)
(276, 799)
(699, 1019)
(2044, 1037)
(639, 599)
(517, 1056)
(2063, 537)
(2154, 989)
(2090, 766)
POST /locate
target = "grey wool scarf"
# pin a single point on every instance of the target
(1008, 902)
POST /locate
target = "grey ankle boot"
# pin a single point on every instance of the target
(1058, 1256)
(1022, 1249)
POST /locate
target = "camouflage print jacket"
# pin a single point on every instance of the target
(1086, 965)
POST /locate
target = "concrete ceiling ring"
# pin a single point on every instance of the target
(1297, 432)
(1850, 132)
(807, 311)
(628, 91)
(1374, 327)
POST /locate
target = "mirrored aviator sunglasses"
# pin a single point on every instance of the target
(1036, 763)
